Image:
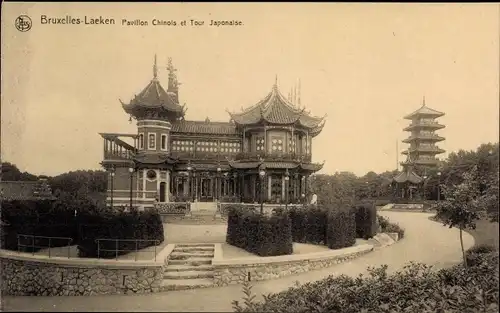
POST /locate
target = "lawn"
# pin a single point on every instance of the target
(486, 232)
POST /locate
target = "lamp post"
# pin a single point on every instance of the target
(425, 185)
(439, 186)
(112, 174)
(262, 174)
(131, 171)
(287, 178)
(217, 183)
(189, 169)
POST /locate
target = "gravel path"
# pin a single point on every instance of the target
(425, 241)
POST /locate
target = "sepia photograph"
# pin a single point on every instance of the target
(249, 157)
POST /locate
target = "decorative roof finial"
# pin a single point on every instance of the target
(155, 69)
(423, 101)
(276, 82)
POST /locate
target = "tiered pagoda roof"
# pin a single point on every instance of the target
(408, 175)
(424, 111)
(276, 165)
(154, 99)
(204, 127)
(275, 109)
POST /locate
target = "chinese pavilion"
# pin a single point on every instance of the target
(421, 154)
(262, 154)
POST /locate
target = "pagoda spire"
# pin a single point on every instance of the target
(276, 82)
(298, 100)
(155, 70)
(423, 101)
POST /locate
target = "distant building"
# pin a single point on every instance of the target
(263, 151)
(26, 190)
(423, 138)
(422, 152)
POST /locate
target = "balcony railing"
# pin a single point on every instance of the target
(256, 156)
(424, 149)
(119, 155)
(424, 136)
(430, 124)
(200, 155)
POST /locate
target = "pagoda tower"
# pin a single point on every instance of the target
(423, 150)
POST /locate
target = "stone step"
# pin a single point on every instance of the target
(188, 268)
(191, 261)
(193, 249)
(188, 275)
(181, 284)
(188, 245)
(185, 255)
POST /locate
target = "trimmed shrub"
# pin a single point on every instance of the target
(119, 230)
(341, 229)
(259, 234)
(387, 227)
(366, 220)
(309, 225)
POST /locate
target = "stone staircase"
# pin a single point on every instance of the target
(201, 213)
(189, 266)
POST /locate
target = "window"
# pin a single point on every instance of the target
(164, 142)
(260, 144)
(141, 141)
(277, 145)
(152, 141)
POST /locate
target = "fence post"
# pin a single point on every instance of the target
(69, 247)
(49, 247)
(98, 248)
(33, 244)
(18, 244)
(136, 249)
(116, 249)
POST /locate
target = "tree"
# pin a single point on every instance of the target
(462, 205)
(10, 172)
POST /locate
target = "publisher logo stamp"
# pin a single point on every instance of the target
(23, 23)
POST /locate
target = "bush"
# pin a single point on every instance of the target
(476, 254)
(341, 228)
(309, 225)
(125, 227)
(258, 233)
(366, 220)
(388, 227)
(415, 288)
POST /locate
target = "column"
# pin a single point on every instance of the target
(269, 187)
(283, 188)
(167, 188)
(144, 183)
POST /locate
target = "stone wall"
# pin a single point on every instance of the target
(27, 275)
(236, 271)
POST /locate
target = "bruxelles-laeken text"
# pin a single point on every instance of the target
(86, 20)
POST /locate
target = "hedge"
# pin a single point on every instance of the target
(366, 220)
(44, 218)
(38, 218)
(341, 228)
(123, 226)
(309, 225)
(258, 233)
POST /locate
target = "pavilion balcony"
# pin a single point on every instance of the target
(192, 155)
(423, 137)
(424, 124)
(116, 149)
(256, 156)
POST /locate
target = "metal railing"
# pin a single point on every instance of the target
(116, 246)
(33, 244)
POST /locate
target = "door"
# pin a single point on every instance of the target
(206, 192)
(163, 191)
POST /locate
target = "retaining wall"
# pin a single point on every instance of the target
(23, 274)
(236, 271)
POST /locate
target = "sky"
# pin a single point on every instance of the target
(365, 65)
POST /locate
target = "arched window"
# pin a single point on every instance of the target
(141, 141)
